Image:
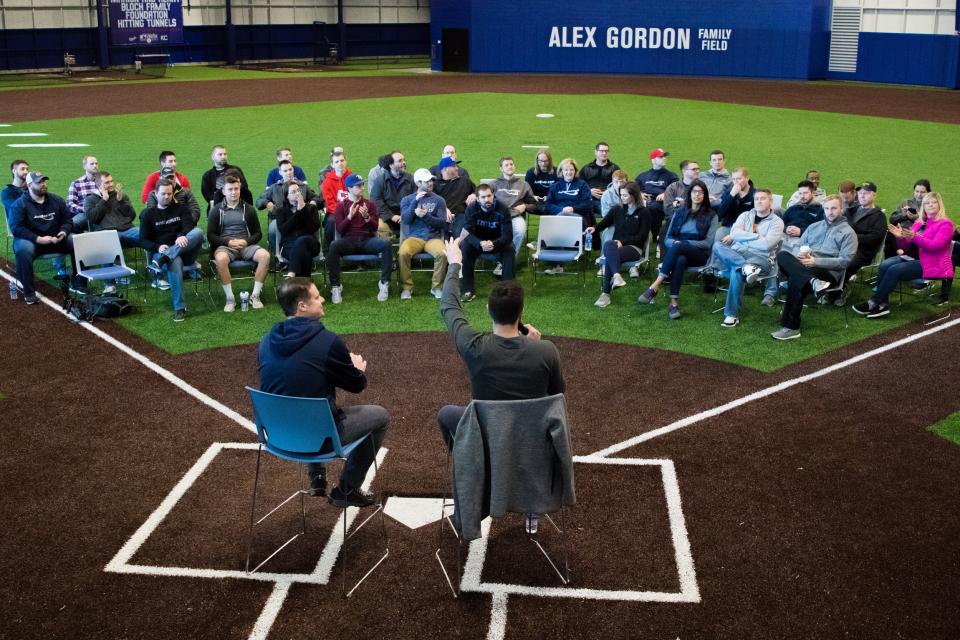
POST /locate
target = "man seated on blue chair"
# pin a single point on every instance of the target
(423, 219)
(749, 253)
(41, 225)
(110, 208)
(302, 358)
(171, 237)
(233, 231)
(487, 230)
(357, 221)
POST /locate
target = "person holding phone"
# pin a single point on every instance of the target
(298, 222)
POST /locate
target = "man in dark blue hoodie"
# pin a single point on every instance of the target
(301, 358)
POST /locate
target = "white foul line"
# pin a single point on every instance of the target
(153, 366)
(759, 395)
(498, 617)
(261, 629)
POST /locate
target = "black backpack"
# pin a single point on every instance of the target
(108, 306)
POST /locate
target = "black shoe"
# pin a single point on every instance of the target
(179, 315)
(356, 497)
(879, 312)
(864, 307)
(469, 296)
(318, 486)
(31, 298)
(709, 281)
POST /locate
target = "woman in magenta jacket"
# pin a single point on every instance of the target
(932, 234)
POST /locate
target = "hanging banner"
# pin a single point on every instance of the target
(146, 22)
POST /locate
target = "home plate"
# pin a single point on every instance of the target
(414, 512)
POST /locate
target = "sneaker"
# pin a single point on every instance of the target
(384, 291)
(406, 294)
(230, 307)
(618, 281)
(532, 246)
(819, 285)
(553, 271)
(255, 302)
(879, 312)
(730, 321)
(159, 263)
(600, 272)
(436, 293)
(785, 334)
(602, 301)
(709, 281)
(864, 307)
(109, 290)
(647, 297)
(336, 294)
(768, 300)
(352, 498)
(179, 315)
(498, 270)
(160, 284)
(673, 312)
(468, 296)
(318, 486)
(751, 272)
(634, 272)
(31, 298)
(531, 523)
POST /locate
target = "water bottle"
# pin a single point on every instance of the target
(244, 301)
(13, 289)
(588, 242)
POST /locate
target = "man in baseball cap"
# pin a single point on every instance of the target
(870, 225)
(41, 225)
(654, 183)
(423, 219)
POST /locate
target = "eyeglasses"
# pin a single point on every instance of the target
(693, 168)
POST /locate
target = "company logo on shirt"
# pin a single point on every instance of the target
(509, 192)
(45, 217)
(569, 192)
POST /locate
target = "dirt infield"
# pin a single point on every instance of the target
(827, 511)
(934, 105)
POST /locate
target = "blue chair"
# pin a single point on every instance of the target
(303, 430)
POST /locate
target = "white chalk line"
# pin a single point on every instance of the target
(498, 617)
(687, 578)
(22, 135)
(150, 364)
(48, 145)
(759, 395)
(261, 628)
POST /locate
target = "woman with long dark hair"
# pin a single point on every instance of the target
(298, 222)
(631, 230)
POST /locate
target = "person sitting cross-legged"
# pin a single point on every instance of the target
(815, 263)
(749, 253)
(356, 219)
(932, 233)
(631, 228)
(688, 241)
(487, 230)
(233, 231)
(298, 222)
(169, 234)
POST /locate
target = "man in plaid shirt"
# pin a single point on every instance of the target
(79, 189)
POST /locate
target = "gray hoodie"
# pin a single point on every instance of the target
(833, 244)
(757, 247)
(513, 191)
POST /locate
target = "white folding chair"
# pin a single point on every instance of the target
(559, 239)
(99, 256)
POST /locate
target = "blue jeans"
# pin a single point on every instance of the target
(729, 260)
(25, 252)
(893, 271)
(679, 256)
(355, 245)
(180, 256)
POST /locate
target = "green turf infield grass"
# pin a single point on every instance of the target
(948, 428)
(779, 145)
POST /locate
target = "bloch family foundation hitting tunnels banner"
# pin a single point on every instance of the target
(146, 22)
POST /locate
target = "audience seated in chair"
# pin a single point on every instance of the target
(800, 215)
(487, 231)
(110, 208)
(298, 223)
(631, 231)
(357, 222)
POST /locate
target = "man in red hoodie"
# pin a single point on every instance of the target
(168, 160)
(334, 189)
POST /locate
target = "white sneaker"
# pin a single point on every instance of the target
(602, 301)
(730, 321)
(230, 307)
(618, 281)
(436, 293)
(498, 270)
(634, 272)
(553, 271)
(819, 285)
(406, 294)
(751, 272)
(336, 294)
(532, 246)
(161, 284)
(109, 290)
(255, 302)
(600, 272)
(384, 292)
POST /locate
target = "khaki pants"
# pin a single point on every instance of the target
(385, 232)
(412, 246)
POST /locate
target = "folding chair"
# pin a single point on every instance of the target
(509, 456)
(303, 430)
(99, 256)
(559, 239)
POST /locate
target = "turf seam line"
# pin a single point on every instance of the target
(150, 364)
(759, 395)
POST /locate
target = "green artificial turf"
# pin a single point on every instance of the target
(948, 428)
(779, 146)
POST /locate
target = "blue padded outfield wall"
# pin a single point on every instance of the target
(787, 39)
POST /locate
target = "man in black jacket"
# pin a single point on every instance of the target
(211, 184)
(488, 230)
(302, 358)
(870, 225)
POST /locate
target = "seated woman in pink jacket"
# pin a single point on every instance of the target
(932, 234)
